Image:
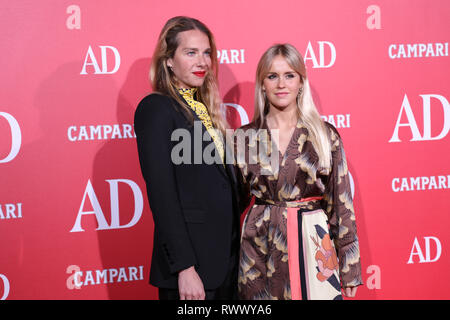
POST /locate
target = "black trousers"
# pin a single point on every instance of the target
(227, 291)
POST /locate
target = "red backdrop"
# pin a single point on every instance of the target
(74, 218)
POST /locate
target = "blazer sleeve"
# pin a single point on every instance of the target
(240, 169)
(153, 123)
(341, 215)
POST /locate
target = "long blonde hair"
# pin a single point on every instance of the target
(163, 80)
(307, 111)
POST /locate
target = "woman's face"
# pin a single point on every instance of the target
(282, 84)
(192, 59)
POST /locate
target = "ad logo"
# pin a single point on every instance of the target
(114, 195)
(411, 120)
(5, 287)
(417, 251)
(241, 111)
(91, 60)
(16, 137)
(323, 61)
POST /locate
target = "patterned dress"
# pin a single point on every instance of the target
(301, 214)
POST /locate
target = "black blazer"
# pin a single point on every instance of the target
(194, 206)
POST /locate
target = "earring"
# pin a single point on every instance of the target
(300, 91)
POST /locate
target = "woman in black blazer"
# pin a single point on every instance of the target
(193, 200)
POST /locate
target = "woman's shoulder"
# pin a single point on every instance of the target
(332, 131)
(155, 108)
(252, 125)
(155, 100)
(156, 103)
(335, 137)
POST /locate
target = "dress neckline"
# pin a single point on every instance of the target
(291, 139)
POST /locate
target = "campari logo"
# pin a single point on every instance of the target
(11, 211)
(79, 278)
(321, 54)
(101, 132)
(418, 50)
(231, 56)
(338, 120)
(421, 183)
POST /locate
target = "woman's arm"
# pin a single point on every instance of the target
(153, 124)
(342, 218)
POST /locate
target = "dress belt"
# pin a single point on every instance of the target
(311, 203)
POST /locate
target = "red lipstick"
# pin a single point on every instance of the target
(200, 74)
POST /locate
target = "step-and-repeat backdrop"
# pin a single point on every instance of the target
(75, 222)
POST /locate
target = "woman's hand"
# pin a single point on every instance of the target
(350, 292)
(190, 286)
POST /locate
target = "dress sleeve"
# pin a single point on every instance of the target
(339, 207)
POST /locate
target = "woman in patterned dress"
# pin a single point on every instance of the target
(303, 211)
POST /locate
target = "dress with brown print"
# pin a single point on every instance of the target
(264, 261)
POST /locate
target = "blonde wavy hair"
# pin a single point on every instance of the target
(162, 78)
(307, 111)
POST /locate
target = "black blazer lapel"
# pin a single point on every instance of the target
(220, 165)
